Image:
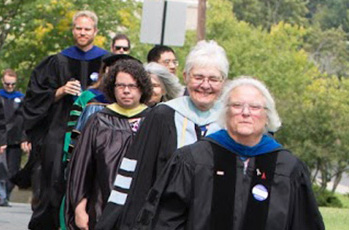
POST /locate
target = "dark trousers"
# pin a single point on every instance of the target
(13, 158)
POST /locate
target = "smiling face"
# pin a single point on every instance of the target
(126, 91)
(204, 94)
(84, 33)
(246, 115)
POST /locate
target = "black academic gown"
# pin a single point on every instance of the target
(102, 143)
(3, 139)
(204, 187)
(154, 145)
(46, 122)
(12, 103)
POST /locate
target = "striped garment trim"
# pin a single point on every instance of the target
(128, 164)
(117, 197)
(123, 181)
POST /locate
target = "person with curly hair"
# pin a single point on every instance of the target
(103, 142)
(169, 126)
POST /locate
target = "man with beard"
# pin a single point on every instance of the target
(53, 86)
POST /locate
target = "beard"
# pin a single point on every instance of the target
(83, 43)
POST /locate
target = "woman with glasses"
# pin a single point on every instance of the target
(169, 126)
(166, 86)
(237, 178)
(104, 141)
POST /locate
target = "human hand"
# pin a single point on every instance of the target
(81, 219)
(72, 87)
(26, 146)
(2, 149)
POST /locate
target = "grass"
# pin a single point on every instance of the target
(337, 218)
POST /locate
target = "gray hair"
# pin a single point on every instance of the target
(169, 81)
(207, 53)
(274, 122)
(88, 14)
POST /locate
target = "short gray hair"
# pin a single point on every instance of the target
(274, 122)
(207, 53)
(169, 81)
(86, 13)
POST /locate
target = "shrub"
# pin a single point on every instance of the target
(326, 198)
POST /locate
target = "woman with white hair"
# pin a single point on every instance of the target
(237, 178)
(165, 85)
(168, 126)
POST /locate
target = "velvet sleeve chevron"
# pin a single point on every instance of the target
(74, 115)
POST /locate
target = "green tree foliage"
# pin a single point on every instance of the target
(329, 50)
(267, 13)
(329, 14)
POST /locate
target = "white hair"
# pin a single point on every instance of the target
(274, 122)
(169, 82)
(207, 53)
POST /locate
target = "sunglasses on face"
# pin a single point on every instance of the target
(125, 48)
(10, 84)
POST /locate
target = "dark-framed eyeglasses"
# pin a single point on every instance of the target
(10, 84)
(198, 79)
(125, 48)
(239, 107)
(123, 86)
(167, 62)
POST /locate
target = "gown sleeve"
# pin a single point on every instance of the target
(304, 213)
(41, 90)
(81, 170)
(168, 202)
(2, 126)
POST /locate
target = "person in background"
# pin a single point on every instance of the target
(53, 86)
(121, 44)
(168, 126)
(237, 178)
(165, 56)
(12, 102)
(165, 85)
(104, 141)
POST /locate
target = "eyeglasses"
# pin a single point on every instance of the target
(239, 107)
(212, 80)
(10, 84)
(123, 86)
(125, 48)
(167, 62)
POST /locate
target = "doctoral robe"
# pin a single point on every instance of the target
(46, 122)
(12, 102)
(3, 139)
(207, 187)
(169, 126)
(102, 144)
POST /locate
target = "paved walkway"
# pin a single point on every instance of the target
(15, 217)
